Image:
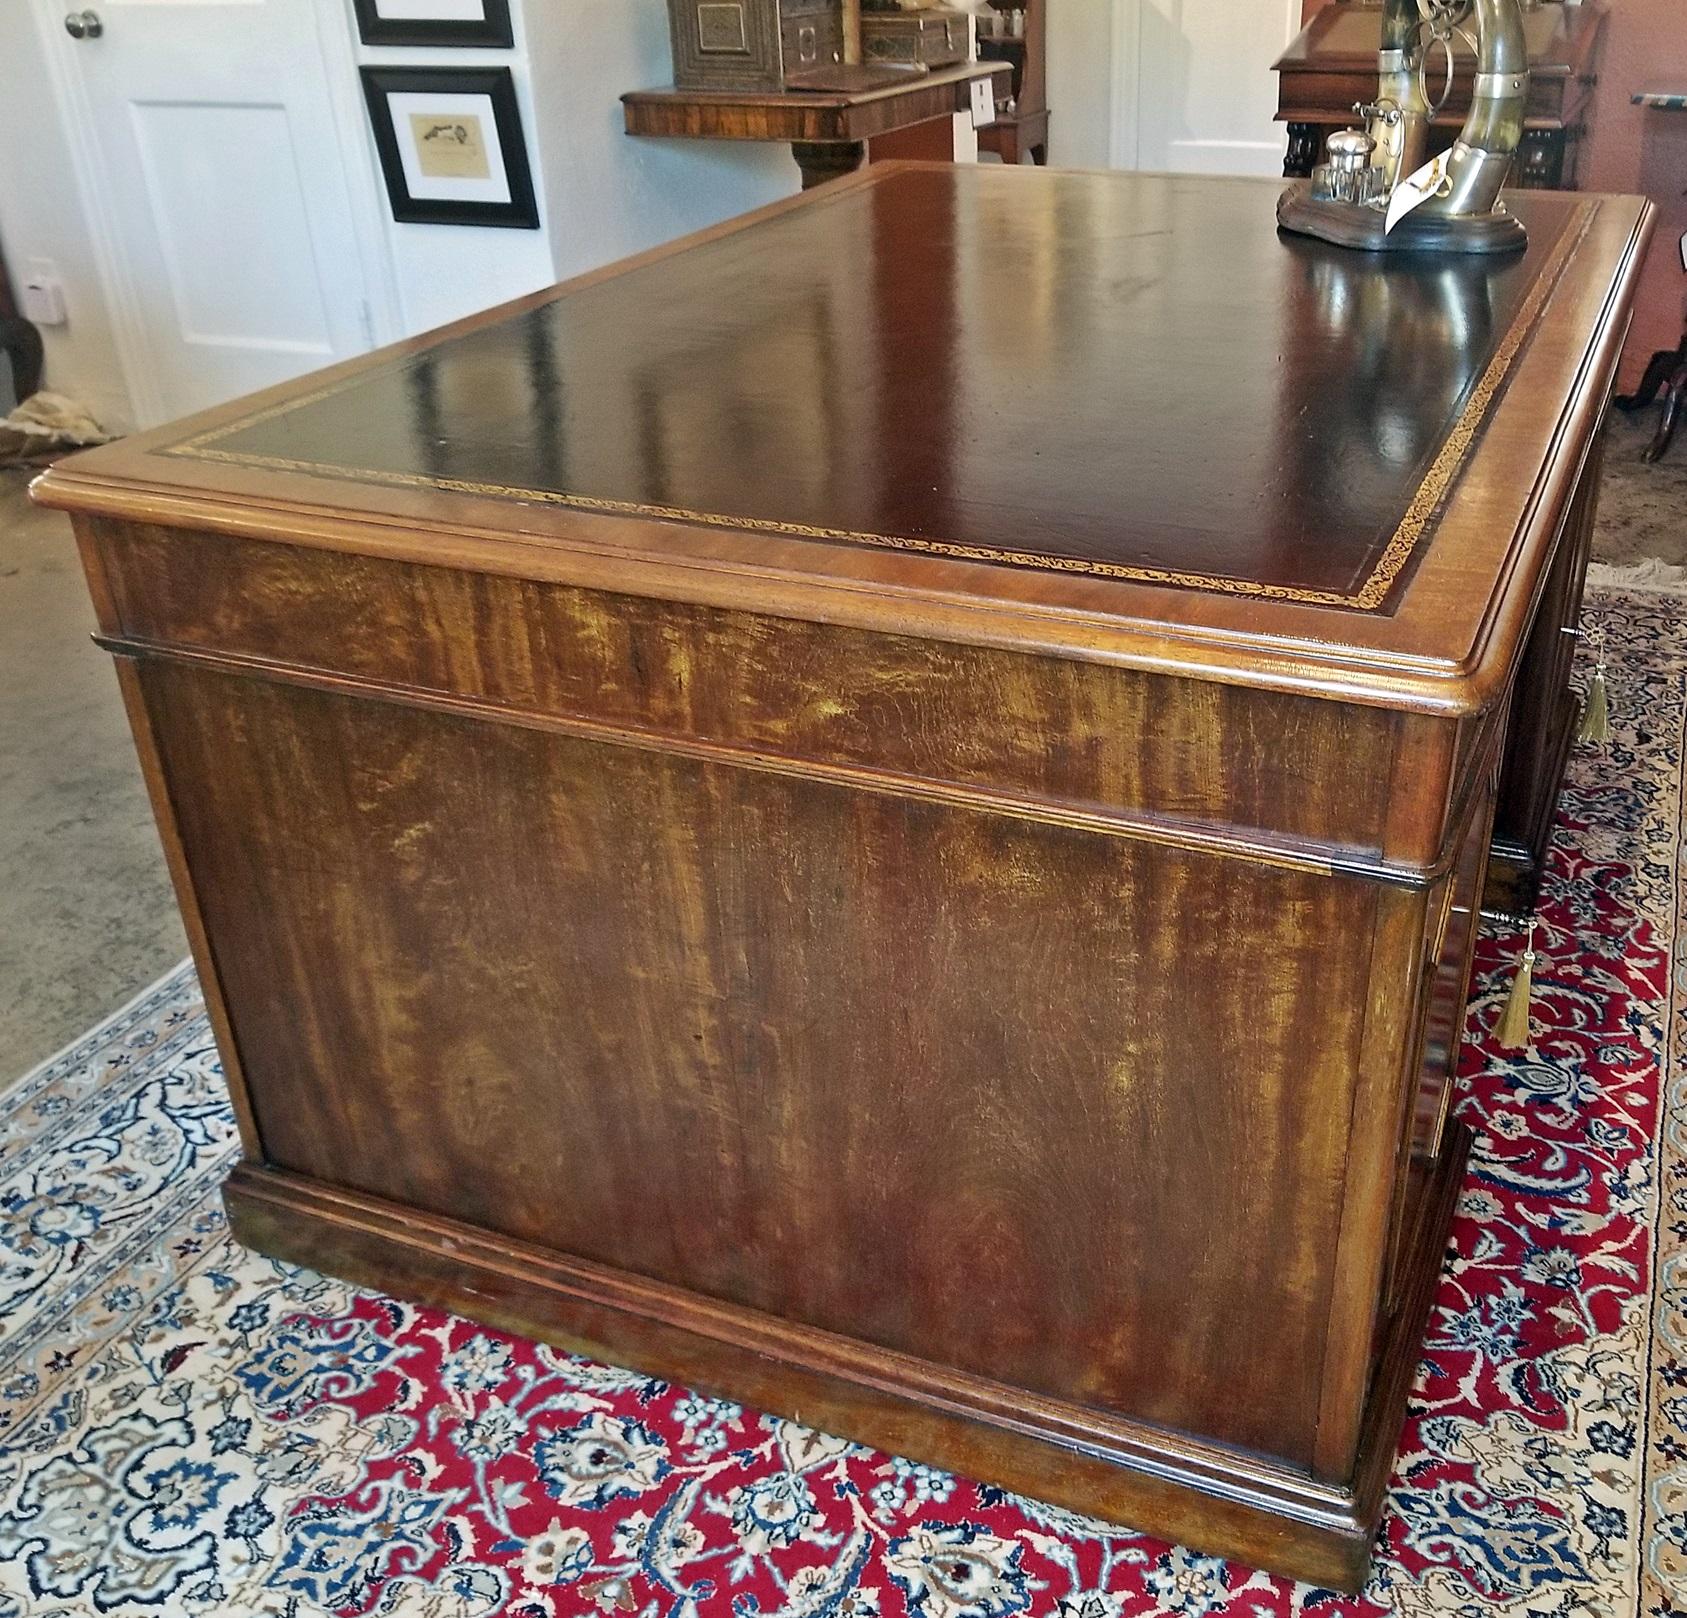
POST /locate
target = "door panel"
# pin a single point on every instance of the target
(1198, 93)
(217, 164)
(198, 200)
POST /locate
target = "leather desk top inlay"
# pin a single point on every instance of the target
(1217, 407)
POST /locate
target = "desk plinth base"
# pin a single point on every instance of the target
(1347, 225)
(1217, 1500)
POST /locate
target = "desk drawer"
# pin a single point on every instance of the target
(1449, 985)
(1452, 918)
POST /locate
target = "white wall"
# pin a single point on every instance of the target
(605, 193)
(41, 217)
(1080, 82)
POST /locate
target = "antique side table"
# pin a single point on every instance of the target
(709, 840)
(828, 129)
(1021, 128)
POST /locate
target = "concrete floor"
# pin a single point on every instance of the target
(1642, 509)
(86, 913)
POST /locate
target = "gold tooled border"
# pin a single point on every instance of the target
(1403, 544)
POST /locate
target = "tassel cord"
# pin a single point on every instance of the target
(1595, 723)
(1512, 1031)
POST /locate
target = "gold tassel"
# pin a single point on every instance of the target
(1595, 723)
(1513, 1031)
(1596, 713)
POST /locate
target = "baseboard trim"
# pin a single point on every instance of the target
(1652, 575)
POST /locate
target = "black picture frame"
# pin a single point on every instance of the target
(521, 212)
(494, 31)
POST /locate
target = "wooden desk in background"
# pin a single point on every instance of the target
(828, 130)
(749, 815)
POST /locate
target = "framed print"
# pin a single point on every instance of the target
(451, 145)
(435, 22)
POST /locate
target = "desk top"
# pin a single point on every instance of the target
(1111, 416)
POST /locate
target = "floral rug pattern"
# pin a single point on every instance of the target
(186, 1428)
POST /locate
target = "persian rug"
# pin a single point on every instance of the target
(186, 1428)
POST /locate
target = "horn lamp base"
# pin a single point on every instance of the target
(1348, 224)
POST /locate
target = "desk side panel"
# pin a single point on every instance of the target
(1055, 1107)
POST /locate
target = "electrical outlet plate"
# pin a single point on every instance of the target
(41, 297)
(42, 303)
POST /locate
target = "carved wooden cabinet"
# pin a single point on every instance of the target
(718, 832)
(756, 45)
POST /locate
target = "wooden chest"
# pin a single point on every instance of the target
(789, 842)
(935, 38)
(752, 44)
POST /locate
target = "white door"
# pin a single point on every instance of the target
(213, 157)
(1194, 92)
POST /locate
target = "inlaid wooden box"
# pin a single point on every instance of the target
(916, 38)
(752, 44)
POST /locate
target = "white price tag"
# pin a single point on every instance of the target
(983, 102)
(1431, 180)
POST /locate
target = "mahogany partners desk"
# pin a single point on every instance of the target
(706, 847)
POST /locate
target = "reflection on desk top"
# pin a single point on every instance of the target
(1079, 381)
(1087, 376)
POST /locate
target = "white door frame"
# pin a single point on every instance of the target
(1125, 135)
(113, 269)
